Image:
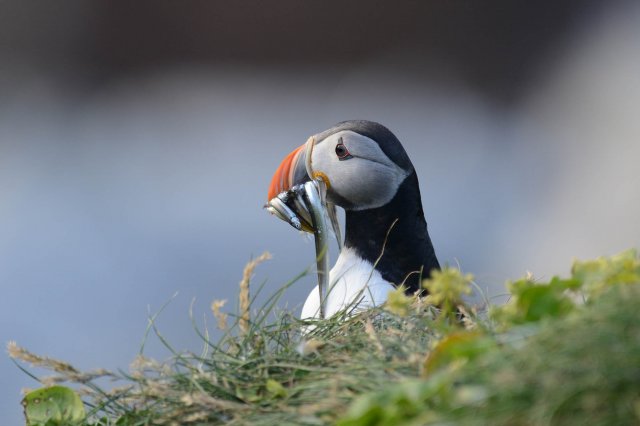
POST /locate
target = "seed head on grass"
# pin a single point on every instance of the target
(21, 354)
(244, 297)
(79, 377)
(65, 371)
(221, 317)
(141, 366)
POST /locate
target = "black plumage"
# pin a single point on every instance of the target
(408, 253)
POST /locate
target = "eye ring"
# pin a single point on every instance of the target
(342, 152)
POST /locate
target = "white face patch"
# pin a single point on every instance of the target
(369, 179)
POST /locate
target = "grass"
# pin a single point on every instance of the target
(562, 352)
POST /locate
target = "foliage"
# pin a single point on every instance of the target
(564, 351)
(531, 302)
(446, 288)
(599, 274)
(398, 302)
(561, 361)
(53, 406)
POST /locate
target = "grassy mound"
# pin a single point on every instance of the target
(562, 352)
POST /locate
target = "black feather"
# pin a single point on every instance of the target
(408, 253)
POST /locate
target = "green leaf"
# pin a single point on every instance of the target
(459, 348)
(55, 405)
(275, 389)
(532, 302)
(407, 402)
(599, 274)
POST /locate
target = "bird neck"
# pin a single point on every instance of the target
(394, 237)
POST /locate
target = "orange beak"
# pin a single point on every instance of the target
(284, 177)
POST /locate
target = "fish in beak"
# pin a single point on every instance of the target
(301, 201)
(285, 199)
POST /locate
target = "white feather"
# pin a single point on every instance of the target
(354, 285)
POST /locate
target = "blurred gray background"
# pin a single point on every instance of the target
(137, 141)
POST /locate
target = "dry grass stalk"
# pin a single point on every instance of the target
(77, 377)
(306, 347)
(467, 320)
(373, 336)
(209, 403)
(143, 365)
(221, 317)
(19, 353)
(244, 299)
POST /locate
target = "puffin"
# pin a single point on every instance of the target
(366, 172)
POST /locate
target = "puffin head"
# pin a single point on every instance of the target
(361, 163)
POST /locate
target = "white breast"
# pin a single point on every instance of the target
(354, 285)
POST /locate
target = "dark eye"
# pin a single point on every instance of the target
(341, 151)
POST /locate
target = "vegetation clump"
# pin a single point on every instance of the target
(566, 351)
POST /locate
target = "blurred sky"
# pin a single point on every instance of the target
(137, 142)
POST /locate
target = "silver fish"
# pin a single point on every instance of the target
(305, 208)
